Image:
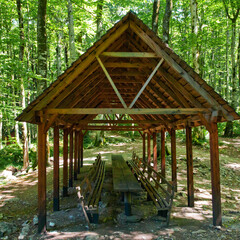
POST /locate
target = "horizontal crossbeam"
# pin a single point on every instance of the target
(134, 111)
(130, 54)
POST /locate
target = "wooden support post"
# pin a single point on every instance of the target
(70, 181)
(149, 147)
(81, 149)
(56, 170)
(76, 155)
(144, 147)
(65, 162)
(163, 159)
(42, 213)
(215, 175)
(174, 157)
(155, 150)
(189, 167)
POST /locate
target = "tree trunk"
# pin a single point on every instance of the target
(166, 20)
(1, 129)
(99, 18)
(155, 15)
(58, 54)
(233, 56)
(227, 68)
(238, 59)
(234, 94)
(71, 34)
(194, 24)
(42, 44)
(21, 55)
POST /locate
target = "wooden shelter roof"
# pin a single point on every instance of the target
(107, 79)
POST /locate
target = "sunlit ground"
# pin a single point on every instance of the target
(25, 187)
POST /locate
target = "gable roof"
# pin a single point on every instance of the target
(175, 85)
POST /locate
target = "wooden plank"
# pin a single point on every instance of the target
(56, 170)
(65, 162)
(189, 167)
(146, 83)
(161, 53)
(111, 82)
(70, 180)
(163, 159)
(126, 111)
(155, 150)
(149, 147)
(215, 175)
(42, 212)
(130, 54)
(123, 179)
(174, 157)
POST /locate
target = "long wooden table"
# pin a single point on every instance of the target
(124, 181)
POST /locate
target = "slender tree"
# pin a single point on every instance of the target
(42, 44)
(166, 20)
(72, 48)
(195, 29)
(99, 18)
(235, 9)
(21, 56)
(155, 15)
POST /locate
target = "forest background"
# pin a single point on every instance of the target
(40, 39)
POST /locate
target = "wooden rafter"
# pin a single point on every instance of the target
(111, 82)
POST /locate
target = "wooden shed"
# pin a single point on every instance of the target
(128, 71)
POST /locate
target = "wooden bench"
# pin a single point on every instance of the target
(89, 191)
(159, 190)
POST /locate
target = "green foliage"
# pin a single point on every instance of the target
(11, 155)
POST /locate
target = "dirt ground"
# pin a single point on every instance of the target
(18, 201)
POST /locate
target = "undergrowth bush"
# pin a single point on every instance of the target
(11, 155)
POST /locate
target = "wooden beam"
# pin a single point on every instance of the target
(194, 84)
(130, 54)
(42, 212)
(190, 188)
(65, 162)
(126, 65)
(113, 128)
(163, 159)
(215, 175)
(111, 82)
(126, 111)
(149, 147)
(56, 169)
(70, 180)
(155, 150)
(146, 83)
(174, 157)
(83, 122)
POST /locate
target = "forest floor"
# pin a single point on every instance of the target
(18, 201)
